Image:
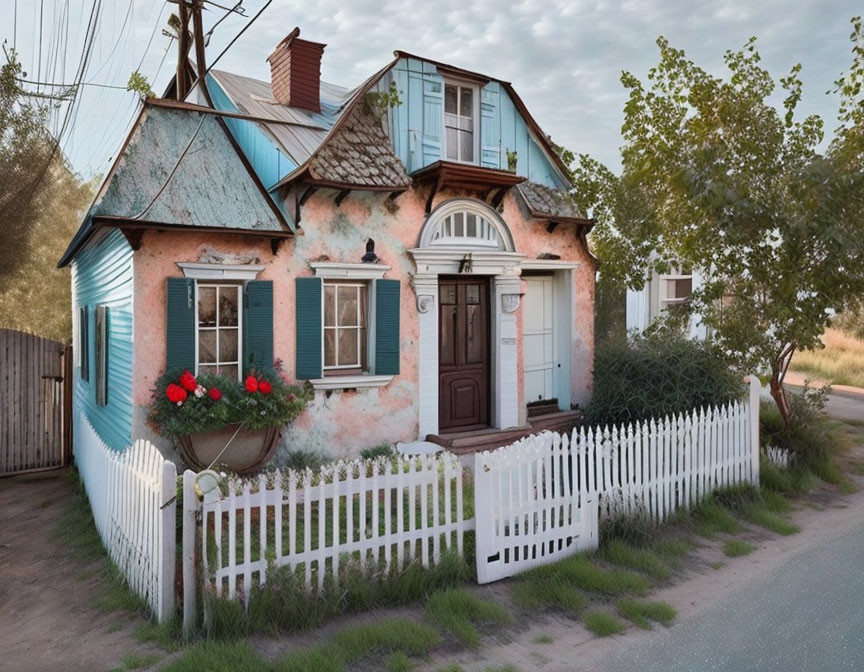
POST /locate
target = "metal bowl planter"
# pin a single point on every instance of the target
(247, 452)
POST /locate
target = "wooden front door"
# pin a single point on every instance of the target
(463, 353)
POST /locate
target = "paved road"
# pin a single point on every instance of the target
(807, 616)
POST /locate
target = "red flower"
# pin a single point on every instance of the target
(251, 384)
(175, 393)
(187, 380)
(264, 387)
(215, 394)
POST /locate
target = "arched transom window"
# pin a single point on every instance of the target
(466, 225)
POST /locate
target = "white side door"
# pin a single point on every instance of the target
(539, 336)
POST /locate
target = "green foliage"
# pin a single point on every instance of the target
(610, 311)
(460, 612)
(387, 636)
(139, 84)
(399, 662)
(300, 459)
(658, 375)
(378, 102)
(641, 614)
(554, 593)
(580, 572)
(602, 623)
(735, 548)
(641, 559)
(168, 635)
(715, 176)
(711, 518)
(199, 412)
(381, 450)
(138, 661)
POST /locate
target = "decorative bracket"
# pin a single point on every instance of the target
(510, 302)
(425, 302)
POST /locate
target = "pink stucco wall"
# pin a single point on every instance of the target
(342, 423)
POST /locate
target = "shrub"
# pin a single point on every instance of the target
(381, 450)
(657, 375)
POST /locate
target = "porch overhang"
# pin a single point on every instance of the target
(468, 177)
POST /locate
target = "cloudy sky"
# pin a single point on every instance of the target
(564, 57)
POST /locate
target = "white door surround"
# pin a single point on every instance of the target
(446, 248)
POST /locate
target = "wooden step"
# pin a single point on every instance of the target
(478, 440)
(542, 408)
(559, 421)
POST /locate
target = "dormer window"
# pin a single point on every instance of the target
(460, 114)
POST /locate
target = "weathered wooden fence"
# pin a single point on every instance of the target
(33, 422)
(133, 497)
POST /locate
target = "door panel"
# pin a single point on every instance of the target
(463, 352)
(540, 356)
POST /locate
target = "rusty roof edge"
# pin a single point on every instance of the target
(337, 127)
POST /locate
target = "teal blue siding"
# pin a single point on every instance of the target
(102, 275)
(417, 125)
(268, 161)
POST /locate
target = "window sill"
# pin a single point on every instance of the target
(349, 382)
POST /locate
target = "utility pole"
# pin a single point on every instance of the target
(198, 27)
(182, 49)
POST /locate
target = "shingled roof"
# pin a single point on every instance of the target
(358, 155)
(547, 203)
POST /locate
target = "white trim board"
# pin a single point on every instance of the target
(200, 271)
(332, 270)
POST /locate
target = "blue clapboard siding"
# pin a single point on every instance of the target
(417, 125)
(102, 275)
(268, 161)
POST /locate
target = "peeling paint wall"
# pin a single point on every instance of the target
(342, 423)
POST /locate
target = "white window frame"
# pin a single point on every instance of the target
(352, 272)
(678, 274)
(476, 119)
(361, 356)
(216, 283)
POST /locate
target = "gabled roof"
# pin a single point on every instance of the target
(180, 168)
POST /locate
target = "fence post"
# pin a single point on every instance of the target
(755, 389)
(168, 482)
(190, 529)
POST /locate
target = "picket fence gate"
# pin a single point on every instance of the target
(132, 495)
(540, 499)
(375, 514)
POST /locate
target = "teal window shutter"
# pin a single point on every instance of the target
(180, 343)
(307, 309)
(258, 325)
(84, 343)
(101, 355)
(387, 327)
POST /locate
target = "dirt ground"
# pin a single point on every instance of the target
(47, 621)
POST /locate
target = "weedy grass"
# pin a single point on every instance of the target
(553, 593)
(115, 594)
(709, 518)
(460, 612)
(214, 656)
(544, 639)
(735, 548)
(580, 572)
(168, 635)
(399, 662)
(644, 560)
(139, 661)
(602, 623)
(841, 361)
(75, 528)
(758, 514)
(641, 613)
(388, 636)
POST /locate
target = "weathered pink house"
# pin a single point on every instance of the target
(406, 246)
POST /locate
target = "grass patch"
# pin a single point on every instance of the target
(641, 613)
(168, 635)
(399, 662)
(580, 572)
(758, 514)
(213, 656)
(841, 361)
(602, 623)
(139, 661)
(709, 518)
(553, 593)
(735, 548)
(75, 529)
(544, 639)
(460, 611)
(387, 636)
(775, 502)
(717, 565)
(115, 594)
(641, 559)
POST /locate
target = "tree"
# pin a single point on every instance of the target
(36, 297)
(715, 176)
(26, 148)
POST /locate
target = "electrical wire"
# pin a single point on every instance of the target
(237, 36)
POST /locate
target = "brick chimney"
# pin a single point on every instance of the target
(295, 72)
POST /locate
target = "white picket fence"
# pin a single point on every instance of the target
(375, 513)
(132, 494)
(527, 512)
(779, 457)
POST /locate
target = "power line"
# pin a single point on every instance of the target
(236, 37)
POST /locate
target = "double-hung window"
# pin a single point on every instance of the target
(219, 331)
(676, 286)
(345, 327)
(460, 120)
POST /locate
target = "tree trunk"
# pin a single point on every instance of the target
(778, 374)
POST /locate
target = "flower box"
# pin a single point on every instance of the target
(238, 451)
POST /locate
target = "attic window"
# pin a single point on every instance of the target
(460, 114)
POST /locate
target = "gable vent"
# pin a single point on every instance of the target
(295, 72)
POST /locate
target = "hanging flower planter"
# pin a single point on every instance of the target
(218, 422)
